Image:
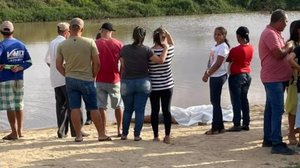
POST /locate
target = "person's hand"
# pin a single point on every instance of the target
(164, 43)
(1, 67)
(290, 45)
(205, 77)
(16, 68)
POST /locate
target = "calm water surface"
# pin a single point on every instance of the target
(193, 37)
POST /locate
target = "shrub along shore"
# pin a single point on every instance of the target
(55, 10)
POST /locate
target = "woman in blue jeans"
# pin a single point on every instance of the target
(217, 74)
(135, 81)
(239, 79)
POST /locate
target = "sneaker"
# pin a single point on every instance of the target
(234, 129)
(267, 143)
(245, 128)
(282, 149)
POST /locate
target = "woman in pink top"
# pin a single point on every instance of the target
(239, 79)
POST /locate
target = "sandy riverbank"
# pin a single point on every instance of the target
(189, 148)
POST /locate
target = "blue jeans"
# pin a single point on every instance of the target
(238, 87)
(135, 94)
(274, 108)
(215, 88)
(76, 89)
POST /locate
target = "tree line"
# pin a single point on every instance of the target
(54, 10)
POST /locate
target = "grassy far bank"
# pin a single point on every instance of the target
(54, 10)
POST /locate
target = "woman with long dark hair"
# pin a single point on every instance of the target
(135, 81)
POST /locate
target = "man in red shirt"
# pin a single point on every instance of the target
(108, 78)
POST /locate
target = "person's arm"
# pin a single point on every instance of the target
(59, 66)
(24, 65)
(95, 59)
(95, 65)
(121, 66)
(280, 53)
(291, 59)
(213, 68)
(47, 57)
(273, 43)
(169, 38)
(60, 62)
(162, 58)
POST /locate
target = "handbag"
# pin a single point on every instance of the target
(292, 99)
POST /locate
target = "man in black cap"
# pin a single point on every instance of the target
(108, 77)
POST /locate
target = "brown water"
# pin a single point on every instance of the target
(193, 37)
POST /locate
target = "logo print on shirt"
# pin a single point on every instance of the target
(15, 54)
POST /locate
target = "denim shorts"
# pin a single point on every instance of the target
(109, 89)
(77, 89)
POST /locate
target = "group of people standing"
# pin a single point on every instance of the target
(126, 74)
(132, 73)
(278, 58)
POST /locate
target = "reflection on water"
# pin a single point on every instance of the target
(193, 37)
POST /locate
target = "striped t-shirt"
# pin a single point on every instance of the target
(161, 74)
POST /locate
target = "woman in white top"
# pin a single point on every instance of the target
(217, 74)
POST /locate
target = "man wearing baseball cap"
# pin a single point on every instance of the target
(14, 59)
(78, 60)
(108, 77)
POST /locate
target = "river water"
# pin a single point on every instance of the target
(193, 36)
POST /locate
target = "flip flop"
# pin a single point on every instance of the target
(9, 138)
(78, 139)
(167, 140)
(211, 132)
(105, 139)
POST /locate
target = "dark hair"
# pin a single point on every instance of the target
(277, 15)
(98, 35)
(294, 35)
(138, 35)
(243, 32)
(159, 32)
(224, 32)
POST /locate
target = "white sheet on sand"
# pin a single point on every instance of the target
(195, 114)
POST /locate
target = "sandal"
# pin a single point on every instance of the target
(78, 139)
(9, 138)
(167, 140)
(211, 132)
(105, 139)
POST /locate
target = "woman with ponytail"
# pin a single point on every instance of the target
(135, 80)
(239, 79)
(216, 72)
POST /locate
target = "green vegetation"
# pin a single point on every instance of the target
(52, 10)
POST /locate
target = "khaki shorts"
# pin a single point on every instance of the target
(113, 91)
(11, 95)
